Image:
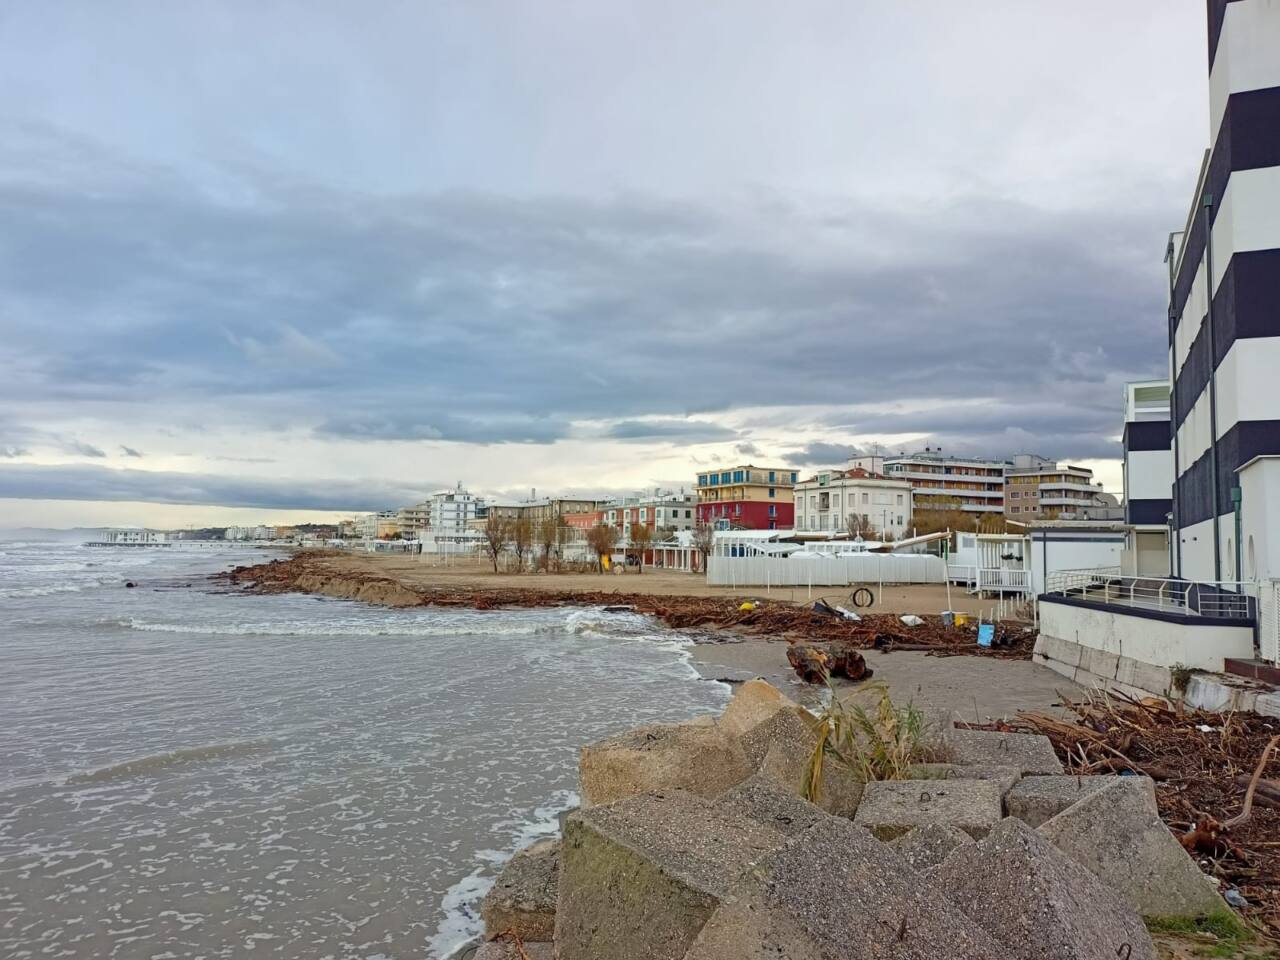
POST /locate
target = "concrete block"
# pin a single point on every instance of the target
(1032, 754)
(523, 900)
(1005, 777)
(786, 729)
(1038, 902)
(1268, 704)
(1057, 666)
(1100, 663)
(754, 701)
(640, 877)
(1065, 652)
(929, 845)
(840, 791)
(1155, 680)
(836, 892)
(506, 950)
(764, 801)
(891, 808)
(692, 757)
(1221, 694)
(1037, 799)
(1117, 834)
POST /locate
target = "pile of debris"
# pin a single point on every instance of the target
(1203, 765)
(694, 843)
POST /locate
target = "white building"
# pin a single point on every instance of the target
(133, 537)
(452, 510)
(414, 520)
(972, 484)
(1148, 478)
(827, 501)
(1226, 399)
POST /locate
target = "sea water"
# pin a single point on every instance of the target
(187, 770)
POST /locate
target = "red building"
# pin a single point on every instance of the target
(747, 498)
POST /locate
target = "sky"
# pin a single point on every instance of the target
(302, 259)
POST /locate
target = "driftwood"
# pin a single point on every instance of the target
(814, 663)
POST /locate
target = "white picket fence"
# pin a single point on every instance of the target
(1269, 619)
(764, 571)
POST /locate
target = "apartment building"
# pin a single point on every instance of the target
(453, 510)
(746, 497)
(939, 482)
(1036, 488)
(537, 510)
(877, 504)
(1148, 453)
(414, 519)
(659, 511)
(1224, 328)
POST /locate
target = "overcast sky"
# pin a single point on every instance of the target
(333, 256)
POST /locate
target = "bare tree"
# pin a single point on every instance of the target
(853, 524)
(641, 537)
(497, 537)
(704, 541)
(602, 538)
(564, 535)
(521, 539)
(547, 530)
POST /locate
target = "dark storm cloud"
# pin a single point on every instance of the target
(129, 451)
(8, 451)
(91, 482)
(85, 449)
(489, 319)
(821, 453)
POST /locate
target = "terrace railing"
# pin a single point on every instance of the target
(1232, 599)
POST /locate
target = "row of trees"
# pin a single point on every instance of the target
(542, 542)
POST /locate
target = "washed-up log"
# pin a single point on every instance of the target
(814, 663)
(1266, 794)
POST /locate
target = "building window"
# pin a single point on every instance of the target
(899, 502)
(793, 477)
(899, 519)
(865, 498)
(773, 492)
(715, 480)
(737, 476)
(737, 509)
(773, 509)
(702, 479)
(724, 477)
(771, 477)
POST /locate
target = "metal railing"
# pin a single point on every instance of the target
(1234, 599)
(1004, 579)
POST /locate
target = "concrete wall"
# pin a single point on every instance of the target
(1064, 550)
(1107, 634)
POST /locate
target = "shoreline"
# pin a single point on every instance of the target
(950, 676)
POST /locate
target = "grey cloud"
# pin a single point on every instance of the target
(747, 449)
(130, 451)
(8, 451)
(91, 482)
(480, 318)
(822, 453)
(85, 449)
(687, 431)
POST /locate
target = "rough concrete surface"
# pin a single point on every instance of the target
(1005, 777)
(696, 758)
(786, 729)
(754, 701)
(1032, 754)
(1039, 902)
(839, 793)
(640, 877)
(760, 799)
(927, 846)
(1037, 799)
(523, 900)
(1117, 833)
(837, 892)
(891, 808)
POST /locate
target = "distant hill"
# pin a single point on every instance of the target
(66, 535)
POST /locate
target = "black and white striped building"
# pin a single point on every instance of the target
(1224, 313)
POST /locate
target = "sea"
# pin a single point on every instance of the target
(188, 770)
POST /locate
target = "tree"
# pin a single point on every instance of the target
(602, 538)
(521, 539)
(551, 536)
(497, 536)
(641, 537)
(704, 541)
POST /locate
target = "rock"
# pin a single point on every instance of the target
(753, 702)
(764, 801)
(694, 757)
(1005, 777)
(1117, 833)
(1037, 799)
(1038, 902)
(506, 950)
(523, 900)
(834, 891)
(640, 877)
(929, 845)
(1032, 754)
(891, 808)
